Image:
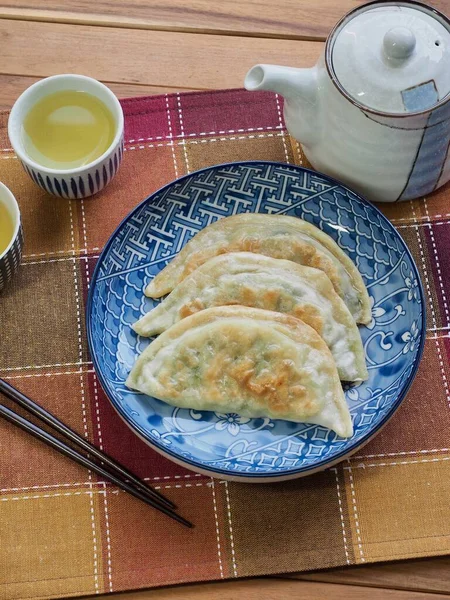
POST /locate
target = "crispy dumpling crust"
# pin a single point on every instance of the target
(233, 359)
(272, 235)
(258, 281)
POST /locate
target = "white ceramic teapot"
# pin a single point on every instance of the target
(375, 110)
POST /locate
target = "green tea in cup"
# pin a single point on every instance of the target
(11, 238)
(68, 132)
(6, 228)
(67, 129)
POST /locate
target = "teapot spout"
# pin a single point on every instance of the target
(299, 87)
(289, 82)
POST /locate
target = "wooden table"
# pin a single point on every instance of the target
(150, 47)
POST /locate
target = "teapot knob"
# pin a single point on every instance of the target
(399, 42)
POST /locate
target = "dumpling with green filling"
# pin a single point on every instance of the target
(259, 281)
(241, 363)
(277, 236)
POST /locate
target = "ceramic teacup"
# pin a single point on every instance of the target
(10, 257)
(78, 182)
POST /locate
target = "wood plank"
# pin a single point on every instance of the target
(11, 86)
(273, 589)
(297, 19)
(156, 58)
(427, 574)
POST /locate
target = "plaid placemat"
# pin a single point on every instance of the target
(63, 531)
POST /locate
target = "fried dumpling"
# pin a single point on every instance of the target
(259, 281)
(272, 235)
(241, 363)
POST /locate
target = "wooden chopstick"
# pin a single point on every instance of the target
(79, 458)
(47, 417)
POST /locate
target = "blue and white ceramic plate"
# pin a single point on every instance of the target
(226, 445)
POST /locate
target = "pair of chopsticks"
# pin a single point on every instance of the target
(106, 467)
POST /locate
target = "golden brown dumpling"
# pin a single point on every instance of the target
(259, 281)
(228, 359)
(272, 235)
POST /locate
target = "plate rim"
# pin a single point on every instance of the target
(299, 471)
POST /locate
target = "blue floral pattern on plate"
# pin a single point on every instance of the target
(227, 444)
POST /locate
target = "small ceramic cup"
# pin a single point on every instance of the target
(10, 257)
(70, 183)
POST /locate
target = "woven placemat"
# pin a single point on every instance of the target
(64, 532)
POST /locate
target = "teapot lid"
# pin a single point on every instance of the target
(392, 57)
